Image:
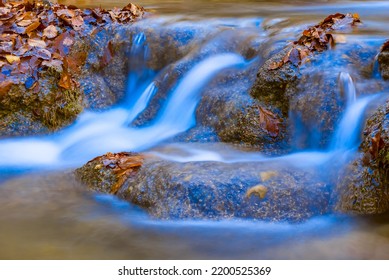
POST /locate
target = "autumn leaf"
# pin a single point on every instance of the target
(5, 87)
(50, 32)
(12, 58)
(377, 144)
(36, 43)
(107, 55)
(269, 122)
(32, 27)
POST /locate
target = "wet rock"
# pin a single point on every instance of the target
(302, 79)
(363, 187)
(107, 173)
(45, 82)
(383, 60)
(213, 190)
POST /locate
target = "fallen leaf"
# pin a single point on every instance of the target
(36, 43)
(107, 55)
(269, 122)
(32, 27)
(12, 58)
(377, 144)
(42, 53)
(259, 191)
(5, 87)
(24, 23)
(50, 32)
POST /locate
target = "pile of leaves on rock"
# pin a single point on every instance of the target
(317, 38)
(40, 34)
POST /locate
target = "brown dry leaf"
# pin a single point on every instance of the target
(65, 80)
(66, 12)
(12, 58)
(32, 27)
(50, 32)
(107, 55)
(36, 43)
(376, 145)
(269, 122)
(24, 22)
(76, 60)
(5, 87)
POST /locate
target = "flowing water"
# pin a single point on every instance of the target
(45, 213)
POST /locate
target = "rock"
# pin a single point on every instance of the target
(363, 187)
(107, 173)
(46, 82)
(302, 79)
(215, 190)
(383, 60)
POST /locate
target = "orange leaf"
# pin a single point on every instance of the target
(32, 27)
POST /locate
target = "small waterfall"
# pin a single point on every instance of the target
(179, 112)
(140, 76)
(97, 133)
(348, 131)
(141, 102)
(347, 87)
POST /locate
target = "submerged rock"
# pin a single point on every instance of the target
(215, 190)
(364, 186)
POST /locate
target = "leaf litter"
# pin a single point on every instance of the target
(36, 35)
(318, 38)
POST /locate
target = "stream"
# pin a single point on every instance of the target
(46, 214)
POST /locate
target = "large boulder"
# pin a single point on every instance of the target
(212, 190)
